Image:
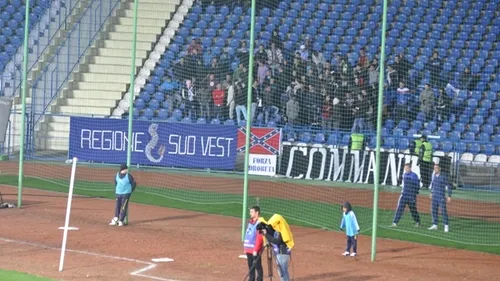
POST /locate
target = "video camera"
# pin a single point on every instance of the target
(261, 226)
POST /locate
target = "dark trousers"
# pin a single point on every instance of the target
(412, 205)
(436, 203)
(352, 241)
(121, 207)
(258, 267)
(426, 173)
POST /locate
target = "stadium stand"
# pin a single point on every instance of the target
(444, 53)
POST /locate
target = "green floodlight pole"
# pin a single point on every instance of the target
(131, 91)
(23, 103)
(248, 119)
(379, 130)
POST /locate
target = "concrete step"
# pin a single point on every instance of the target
(105, 68)
(98, 77)
(83, 110)
(128, 36)
(158, 14)
(52, 143)
(100, 86)
(122, 53)
(57, 119)
(88, 102)
(172, 2)
(140, 22)
(144, 7)
(55, 127)
(57, 134)
(114, 61)
(103, 95)
(140, 29)
(124, 44)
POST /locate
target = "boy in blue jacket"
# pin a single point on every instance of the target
(125, 184)
(350, 223)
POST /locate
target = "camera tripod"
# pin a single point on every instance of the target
(270, 254)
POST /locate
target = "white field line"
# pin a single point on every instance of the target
(140, 272)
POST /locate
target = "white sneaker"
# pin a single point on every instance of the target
(345, 254)
(446, 228)
(120, 223)
(417, 224)
(433, 227)
(353, 254)
(394, 225)
(114, 221)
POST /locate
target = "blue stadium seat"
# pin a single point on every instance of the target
(139, 104)
(460, 147)
(398, 133)
(162, 114)
(319, 138)
(177, 114)
(333, 139)
(305, 137)
(148, 113)
(445, 126)
(474, 148)
(388, 143)
(474, 128)
(489, 149)
(469, 136)
(345, 140)
(484, 137)
(446, 146)
(403, 143)
(455, 136)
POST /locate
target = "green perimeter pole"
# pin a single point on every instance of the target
(23, 104)
(131, 91)
(379, 130)
(249, 123)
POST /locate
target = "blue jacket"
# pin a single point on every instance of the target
(439, 185)
(411, 185)
(350, 223)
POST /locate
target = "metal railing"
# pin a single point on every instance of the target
(41, 37)
(78, 40)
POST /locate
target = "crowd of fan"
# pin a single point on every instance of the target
(302, 88)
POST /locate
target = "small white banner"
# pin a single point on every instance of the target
(260, 164)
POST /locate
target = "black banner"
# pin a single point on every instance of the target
(319, 162)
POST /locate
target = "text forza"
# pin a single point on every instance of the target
(335, 164)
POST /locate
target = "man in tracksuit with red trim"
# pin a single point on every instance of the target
(253, 245)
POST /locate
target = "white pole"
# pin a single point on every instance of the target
(68, 211)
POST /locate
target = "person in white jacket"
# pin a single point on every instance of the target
(230, 100)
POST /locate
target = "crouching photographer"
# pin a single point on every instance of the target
(281, 251)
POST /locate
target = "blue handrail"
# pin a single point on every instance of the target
(62, 23)
(92, 19)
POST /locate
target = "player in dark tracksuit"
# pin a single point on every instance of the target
(439, 185)
(125, 184)
(411, 187)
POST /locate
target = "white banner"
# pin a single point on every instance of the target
(5, 108)
(264, 165)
